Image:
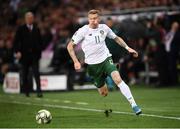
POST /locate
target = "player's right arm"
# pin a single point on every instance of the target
(77, 38)
(70, 48)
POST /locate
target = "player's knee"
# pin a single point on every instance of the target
(104, 94)
(116, 77)
(117, 80)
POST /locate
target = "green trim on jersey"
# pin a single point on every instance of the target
(100, 71)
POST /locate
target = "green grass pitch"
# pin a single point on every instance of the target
(84, 109)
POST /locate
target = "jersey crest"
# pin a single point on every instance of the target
(101, 32)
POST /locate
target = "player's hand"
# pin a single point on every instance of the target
(77, 66)
(133, 52)
(18, 55)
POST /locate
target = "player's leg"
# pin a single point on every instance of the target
(99, 82)
(124, 88)
(96, 72)
(113, 72)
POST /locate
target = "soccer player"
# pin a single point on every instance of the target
(98, 57)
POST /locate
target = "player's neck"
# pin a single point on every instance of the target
(93, 27)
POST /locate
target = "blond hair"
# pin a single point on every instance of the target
(94, 11)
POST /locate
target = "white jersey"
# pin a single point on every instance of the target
(93, 42)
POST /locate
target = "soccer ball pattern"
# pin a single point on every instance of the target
(43, 117)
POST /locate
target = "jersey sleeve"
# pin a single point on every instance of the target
(110, 33)
(78, 36)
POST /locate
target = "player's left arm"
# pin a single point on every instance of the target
(121, 42)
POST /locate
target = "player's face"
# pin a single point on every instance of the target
(93, 20)
(29, 18)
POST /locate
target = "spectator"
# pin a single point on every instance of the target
(161, 61)
(28, 45)
(172, 48)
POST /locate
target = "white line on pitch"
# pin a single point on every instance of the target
(82, 103)
(67, 101)
(54, 100)
(90, 109)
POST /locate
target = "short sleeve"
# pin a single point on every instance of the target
(78, 36)
(110, 33)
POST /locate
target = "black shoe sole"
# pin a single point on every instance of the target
(139, 113)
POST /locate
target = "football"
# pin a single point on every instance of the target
(43, 117)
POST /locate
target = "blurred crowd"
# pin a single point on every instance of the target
(157, 41)
(58, 20)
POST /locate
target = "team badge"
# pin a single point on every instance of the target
(101, 32)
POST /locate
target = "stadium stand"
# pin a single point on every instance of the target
(144, 26)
